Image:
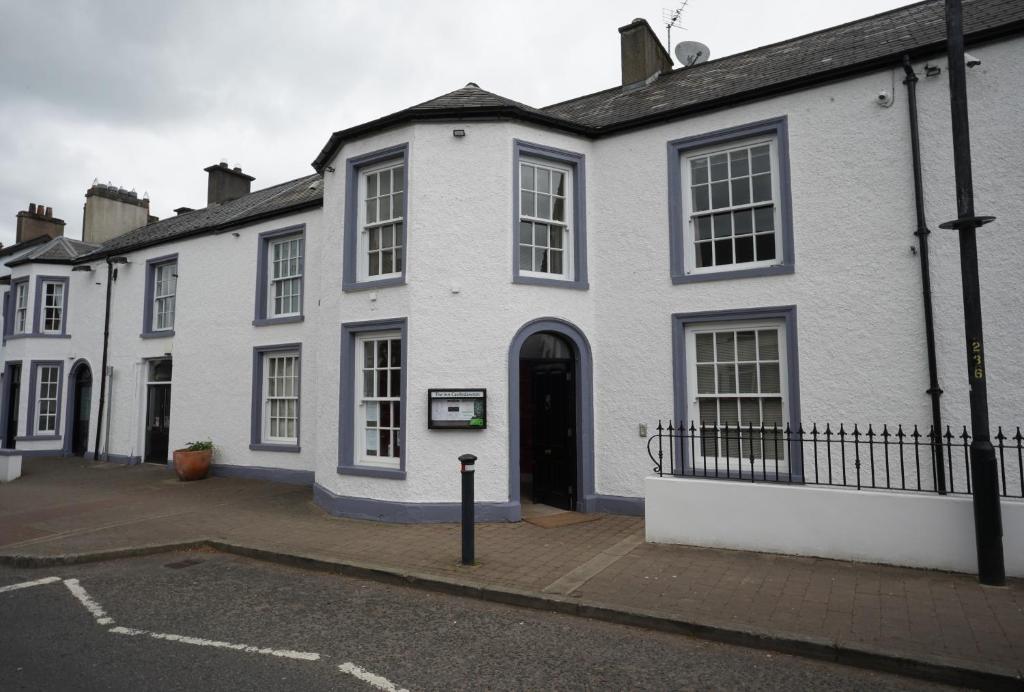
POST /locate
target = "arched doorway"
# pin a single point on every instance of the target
(80, 408)
(551, 416)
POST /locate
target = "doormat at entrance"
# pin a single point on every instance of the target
(554, 521)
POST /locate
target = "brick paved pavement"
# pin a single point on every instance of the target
(69, 506)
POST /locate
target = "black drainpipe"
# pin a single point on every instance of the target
(922, 233)
(103, 368)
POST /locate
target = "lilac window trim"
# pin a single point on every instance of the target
(346, 402)
(37, 308)
(576, 162)
(256, 428)
(677, 149)
(682, 320)
(30, 420)
(350, 234)
(147, 308)
(12, 308)
(263, 277)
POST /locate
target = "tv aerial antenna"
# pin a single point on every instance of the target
(672, 19)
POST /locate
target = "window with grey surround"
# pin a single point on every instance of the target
(549, 237)
(281, 397)
(285, 257)
(53, 307)
(21, 307)
(379, 407)
(376, 219)
(545, 220)
(165, 287)
(46, 398)
(382, 221)
(729, 197)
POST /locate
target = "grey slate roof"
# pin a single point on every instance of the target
(293, 195)
(855, 45)
(59, 250)
(875, 42)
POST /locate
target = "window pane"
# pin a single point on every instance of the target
(699, 170)
(705, 379)
(738, 163)
(768, 344)
(526, 173)
(703, 224)
(700, 198)
(525, 258)
(762, 187)
(371, 211)
(705, 348)
(766, 246)
(387, 262)
(384, 181)
(525, 232)
(396, 353)
(374, 238)
(759, 159)
(740, 191)
(723, 225)
(382, 354)
(746, 346)
(543, 180)
(764, 219)
(398, 181)
(540, 234)
(543, 206)
(556, 234)
(558, 211)
(704, 255)
(723, 252)
(748, 378)
(770, 377)
(743, 222)
(719, 167)
(540, 260)
(719, 195)
(727, 379)
(558, 183)
(396, 383)
(397, 202)
(708, 414)
(528, 204)
(371, 185)
(744, 249)
(556, 261)
(726, 347)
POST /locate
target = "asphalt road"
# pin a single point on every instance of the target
(121, 627)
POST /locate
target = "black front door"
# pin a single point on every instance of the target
(158, 422)
(548, 419)
(13, 397)
(80, 413)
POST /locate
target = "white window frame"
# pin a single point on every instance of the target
(20, 308)
(268, 399)
(57, 307)
(689, 230)
(167, 297)
(51, 426)
(274, 282)
(738, 464)
(568, 272)
(397, 217)
(361, 408)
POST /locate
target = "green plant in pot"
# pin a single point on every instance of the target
(192, 463)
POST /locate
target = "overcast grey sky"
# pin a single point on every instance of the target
(146, 93)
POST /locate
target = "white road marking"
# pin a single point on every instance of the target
(196, 641)
(378, 681)
(27, 584)
(92, 606)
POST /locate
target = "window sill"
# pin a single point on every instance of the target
(555, 283)
(372, 472)
(290, 319)
(32, 438)
(372, 284)
(35, 335)
(157, 335)
(774, 270)
(274, 447)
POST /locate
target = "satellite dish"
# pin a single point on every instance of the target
(691, 53)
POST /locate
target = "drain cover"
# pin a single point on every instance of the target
(181, 564)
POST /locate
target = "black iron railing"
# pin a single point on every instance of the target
(885, 458)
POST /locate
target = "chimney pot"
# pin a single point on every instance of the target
(31, 208)
(49, 212)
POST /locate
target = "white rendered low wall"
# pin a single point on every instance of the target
(915, 530)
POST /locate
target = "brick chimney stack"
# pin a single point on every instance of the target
(226, 183)
(643, 56)
(38, 221)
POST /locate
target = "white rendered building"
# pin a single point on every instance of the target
(732, 242)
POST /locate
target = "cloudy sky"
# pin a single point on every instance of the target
(146, 93)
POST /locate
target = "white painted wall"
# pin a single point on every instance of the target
(856, 285)
(912, 530)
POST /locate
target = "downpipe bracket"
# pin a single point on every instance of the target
(968, 222)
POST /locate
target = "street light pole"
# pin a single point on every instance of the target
(988, 529)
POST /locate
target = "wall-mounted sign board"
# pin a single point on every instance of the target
(456, 409)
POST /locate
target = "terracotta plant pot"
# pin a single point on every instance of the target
(192, 466)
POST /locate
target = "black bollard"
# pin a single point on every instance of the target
(468, 518)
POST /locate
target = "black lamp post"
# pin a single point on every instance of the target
(988, 528)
